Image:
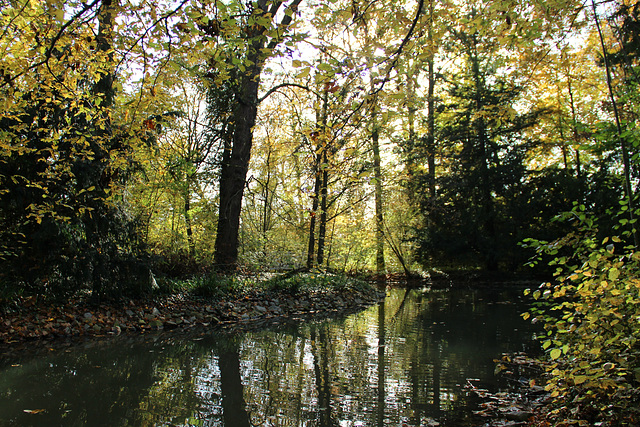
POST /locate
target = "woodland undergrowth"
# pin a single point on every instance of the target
(591, 317)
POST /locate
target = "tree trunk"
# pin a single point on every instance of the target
(320, 188)
(377, 171)
(322, 230)
(576, 135)
(233, 172)
(104, 90)
(187, 221)
(482, 141)
(312, 220)
(431, 114)
(621, 140)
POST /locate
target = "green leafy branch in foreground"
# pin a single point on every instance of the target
(591, 316)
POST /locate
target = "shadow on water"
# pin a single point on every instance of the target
(403, 362)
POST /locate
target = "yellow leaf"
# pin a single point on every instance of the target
(303, 73)
(579, 379)
(59, 14)
(614, 273)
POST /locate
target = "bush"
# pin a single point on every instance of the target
(309, 282)
(591, 314)
(216, 286)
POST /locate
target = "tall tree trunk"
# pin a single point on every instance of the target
(188, 224)
(431, 114)
(411, 147)
(266, 208)
(621, 140)
(312, 220)
(104, 41)
(380, 264)
(323, 143)
(576, 134)
(233, 172)
(104, 90)
(482, 160)
(322, 230)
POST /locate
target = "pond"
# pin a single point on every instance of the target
(405, 361)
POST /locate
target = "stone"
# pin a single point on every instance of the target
(517, 415)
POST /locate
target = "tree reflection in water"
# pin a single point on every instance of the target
(402, 362)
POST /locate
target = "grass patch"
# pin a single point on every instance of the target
(214, 286)
(314, 282)
(210, 286)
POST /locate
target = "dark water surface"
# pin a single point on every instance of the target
(342, 372)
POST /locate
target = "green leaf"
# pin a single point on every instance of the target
(555, 353)
(303, 73)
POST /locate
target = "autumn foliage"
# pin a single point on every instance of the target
(591, 314)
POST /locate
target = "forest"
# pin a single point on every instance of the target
(195, 136)
(143, 142)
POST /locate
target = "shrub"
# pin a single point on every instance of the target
(591, 314)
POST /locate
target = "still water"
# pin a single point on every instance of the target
(403, 362)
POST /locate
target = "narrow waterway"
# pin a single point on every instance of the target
(403, 362)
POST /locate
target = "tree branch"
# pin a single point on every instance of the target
(49, 52)
(398, 52)
(280, 86)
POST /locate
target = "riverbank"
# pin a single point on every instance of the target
(204, 304)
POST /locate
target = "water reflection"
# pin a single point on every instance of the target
(402, 362)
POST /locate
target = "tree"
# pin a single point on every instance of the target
(481, 132)
(63, 157)
(262, 34)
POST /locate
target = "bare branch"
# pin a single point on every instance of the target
(280, 86)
